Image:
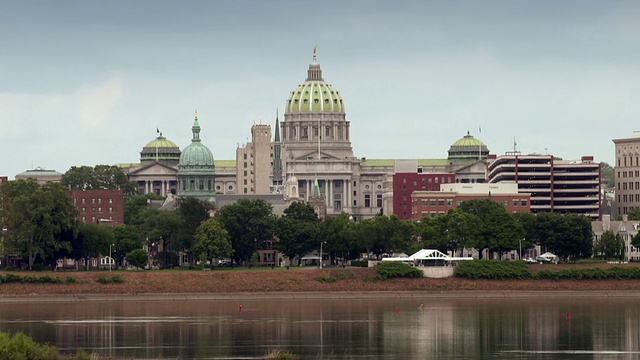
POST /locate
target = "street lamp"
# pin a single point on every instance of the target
(520, 242)
(321, 254)
(109, 258)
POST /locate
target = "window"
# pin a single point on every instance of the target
(110, 209)
(440, 202)
(99, 209)
(84, 219)
(93, 209)
(110, 200)
(100, 201)
(404, 181)
(367, 200)
(337, 202)
(415, 182)
(449, 202)
(93, 201)
(424, 202)
(515, 202)
(379, 200)
(433, 202)
(84, 209)
(436, 180)
(84, 201)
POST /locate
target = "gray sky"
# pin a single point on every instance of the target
(87, 82)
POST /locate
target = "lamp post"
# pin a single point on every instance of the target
(520, 242)
(321, 254)
(109, 258)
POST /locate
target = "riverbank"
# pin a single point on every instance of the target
(290, 284)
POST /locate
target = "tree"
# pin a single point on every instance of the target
(250, 226)
(610, 245)
(336, 234)
(94, 240)
(138, 258)
(567, 235)
(126, 239)
(295, 237)
(211, 241)
(608, 173)
(136, 206)
(192, 212)
(34, 215)
(634, 214)
(433, 233)
(162, 227)
(301, 211)
(462, 229)
(100, 177)
(527, 221)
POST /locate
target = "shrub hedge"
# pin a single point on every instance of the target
(31, 279)
(492, 269)
(396, 269)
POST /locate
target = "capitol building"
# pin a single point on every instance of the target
(307, 156)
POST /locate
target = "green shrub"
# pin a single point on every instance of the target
(9, 268)
(396, 269)
(614, 273)
(21, 346)
(71, 280)
(492, 269)
(11, 278)
(327, 279)
(117, 279)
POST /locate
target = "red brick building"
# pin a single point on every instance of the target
(103, 207)
(404, 184)
(433, 203)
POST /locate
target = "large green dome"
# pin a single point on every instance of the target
(467, 150)
(161, 142)
(468, 140)
(196, 156)
(160, 149)
(314, 95)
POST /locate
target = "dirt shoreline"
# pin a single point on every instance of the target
(282, 284)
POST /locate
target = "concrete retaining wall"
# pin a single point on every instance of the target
(438, 271)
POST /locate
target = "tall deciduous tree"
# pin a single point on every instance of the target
(192, 212)
(337, 235)
(163, 227)
(136, 206)
(610, 245)
(126, 239)
(567, 235)
(250, 224)
(99, 177)
(211, 241)
(94, 240)
(527, 221)
(34, 215)
(297, 231)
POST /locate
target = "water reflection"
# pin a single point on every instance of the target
(452, 328)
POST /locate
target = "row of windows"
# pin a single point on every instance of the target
(99, 209)
(93, 201)
(424, 188)
(367, 200)
(441, 202)
(631, 197)
(630, 186)
(93, 219)
(630, 161)
(415, 182)
(629, 173)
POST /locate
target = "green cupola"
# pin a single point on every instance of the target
(196, 170)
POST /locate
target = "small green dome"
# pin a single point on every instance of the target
(160, 149)
(314, 95)
(468, 140)
(161, 142)
(467, 150)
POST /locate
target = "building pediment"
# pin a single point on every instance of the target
(313, 155)
(154, 169)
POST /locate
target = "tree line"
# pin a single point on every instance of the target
(42, 227)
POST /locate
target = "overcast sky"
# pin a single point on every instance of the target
(87, 82)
